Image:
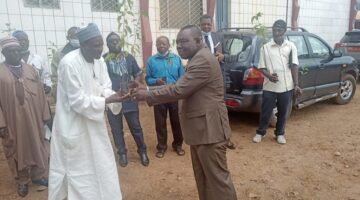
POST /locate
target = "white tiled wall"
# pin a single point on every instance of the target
(154, 17)
(241, 12)
(50, 25)
(327, 18)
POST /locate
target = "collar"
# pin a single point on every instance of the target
(169, 55)
(272, 43)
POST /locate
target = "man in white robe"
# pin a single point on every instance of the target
(82, 162)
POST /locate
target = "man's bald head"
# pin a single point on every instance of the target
(189, 41)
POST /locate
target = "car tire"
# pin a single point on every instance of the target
(273, 118)
(347, 90)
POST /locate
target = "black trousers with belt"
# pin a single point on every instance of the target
(160, 112)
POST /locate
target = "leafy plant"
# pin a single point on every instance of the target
(260, 29)
(128, 27)
(51, 50)
(303, 70)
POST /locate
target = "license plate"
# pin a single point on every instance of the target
(353, 49)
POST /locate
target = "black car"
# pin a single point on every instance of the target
(349, 45)
(323, 73)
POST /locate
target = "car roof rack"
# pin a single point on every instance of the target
(247, 28)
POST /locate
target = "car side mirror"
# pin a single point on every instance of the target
(337, 53)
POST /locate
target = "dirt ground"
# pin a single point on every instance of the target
(320, 161)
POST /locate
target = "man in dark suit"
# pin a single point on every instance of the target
(203, 114)
(214, 43)
(212, 40)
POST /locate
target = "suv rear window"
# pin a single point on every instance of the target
(349, 37)
(238, 48)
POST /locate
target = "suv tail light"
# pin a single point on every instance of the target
(232, 103)
(338, 45)
(253, 76)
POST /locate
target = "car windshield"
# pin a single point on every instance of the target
(237, 47)
(351, 37)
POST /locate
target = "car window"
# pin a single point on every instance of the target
(300, 44)
(320, 50)
(351, 37)
(238, 48)
(235, 46)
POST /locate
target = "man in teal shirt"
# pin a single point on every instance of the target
(165, 68)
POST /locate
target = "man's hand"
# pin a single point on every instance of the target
(219, 56)
(139, 94)
(160, 82)
(47, 89)
(117, 97)
(297, 91)
(273, 77)
(3, 132)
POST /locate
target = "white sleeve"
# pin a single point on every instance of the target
(89, 106)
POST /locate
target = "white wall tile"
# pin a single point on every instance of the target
(78, 10)
(3, 8)
(68, 9)
(12, 6)
(49, 23)
(40, 38)
(59, 23)
(79, 21)
(51, 36)
(69, 22)
(38, 23)
(61, 38)
(86, 9)
(27, 22)
(15, 21)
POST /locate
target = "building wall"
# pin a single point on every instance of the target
(156, 30)
(241, 12)
(327, 18)
(46, 26)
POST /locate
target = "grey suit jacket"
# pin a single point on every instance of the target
(202, 110)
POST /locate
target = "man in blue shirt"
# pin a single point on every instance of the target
(123, 68)
(165, 68)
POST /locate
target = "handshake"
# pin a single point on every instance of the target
(135, 90)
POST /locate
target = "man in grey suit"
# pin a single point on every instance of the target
(202, 112)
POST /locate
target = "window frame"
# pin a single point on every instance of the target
(169, 17)
(113, 9)
(308, 55)
(312, 54)
(55, 5)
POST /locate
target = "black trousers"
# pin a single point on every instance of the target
(270, 99)
(160, 113)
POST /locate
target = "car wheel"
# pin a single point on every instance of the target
(273, 118)
(347, 90)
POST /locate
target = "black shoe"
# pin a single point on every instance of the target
(123, 160)
(179, 151)
(42, 181)
(23, 189)
(160, 153)
(144, 159)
